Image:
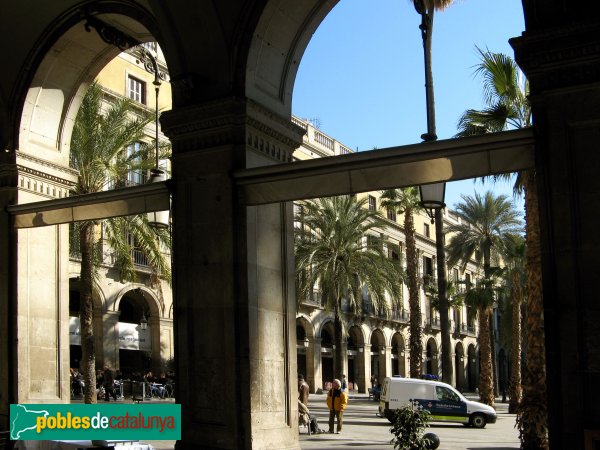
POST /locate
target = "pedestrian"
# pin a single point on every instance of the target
(344, 383)
(303, 389)
(336, 402)
(109, 383)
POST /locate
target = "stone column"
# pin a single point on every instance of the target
(36, 273)
(310, 366)
(318, 366)
(109, 320)
(562, 64)
(233, 280)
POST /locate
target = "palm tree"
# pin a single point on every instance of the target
(427, 9)
(507, 106)
(486, 223)
(514, 274)
(98, 151)
(406, 201)
(338, 248)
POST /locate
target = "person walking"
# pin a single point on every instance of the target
(109, 384)
(336, 402)
(303, 389)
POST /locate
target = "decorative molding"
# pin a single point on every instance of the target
(42, 183)
(560, 57)
(68, 171)
(232, 121)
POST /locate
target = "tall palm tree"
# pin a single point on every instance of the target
(427, 8)
(507, 106)
(338, 247)
(486, 223)
(98, 151)
(406, 201)
(514, 274)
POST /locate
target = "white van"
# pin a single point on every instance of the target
(444, 402)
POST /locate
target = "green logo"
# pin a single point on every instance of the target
(100, 421)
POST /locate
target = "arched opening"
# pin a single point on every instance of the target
(327, 346)
(472, 369)
(459, 365)
(398, 355)
(378, 355)
(431, 358)
(356, 359)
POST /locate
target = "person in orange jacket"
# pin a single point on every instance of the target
(336, 402)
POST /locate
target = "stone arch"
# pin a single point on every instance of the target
(378, 354)
(66, 60)
(472, 368)
(459, 366)
(139, 302)
(431, 357)
(399, 354)
(305, 350)
(278, 43)
(356, 358)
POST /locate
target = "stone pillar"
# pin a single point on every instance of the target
(361, 369)
(318, 366)
(310, 366)
(109, 320)
(39, 283)
(563, 67)
(233, 280)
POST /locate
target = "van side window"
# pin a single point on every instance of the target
(445, 394)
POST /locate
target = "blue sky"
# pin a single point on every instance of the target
(362, 75)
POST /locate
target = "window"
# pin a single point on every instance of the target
(426, 230)
(372, 203)
(468, 280)
(391, 214)
(427, 266)
(136, 89)
(134, 177)
(446, 395)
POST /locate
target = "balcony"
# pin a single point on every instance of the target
(401, 316)
(314, 299)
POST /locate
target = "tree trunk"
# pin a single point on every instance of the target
(443, 299)
(533, 418)
(515, 391)
(338, 354)
(88, 351)
(486, 388)
(427, 33)
(415, 341)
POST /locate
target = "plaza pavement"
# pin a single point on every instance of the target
(364, 429)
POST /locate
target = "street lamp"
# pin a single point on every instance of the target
(143, 322)
(157, 219)
(305, 342)
(432, 200)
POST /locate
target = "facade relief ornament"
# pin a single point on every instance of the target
(559, 57)
(232, 121)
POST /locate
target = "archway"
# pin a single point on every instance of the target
(378, 355)
(431, 357)
(327, 375)
(305, 347)
(356, 360)
(472, 369)
(459, 364)
(398, 355)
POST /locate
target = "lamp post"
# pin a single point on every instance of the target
(432, 199)
(157, 219)
(143, 322)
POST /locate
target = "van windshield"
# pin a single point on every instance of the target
(445, 394)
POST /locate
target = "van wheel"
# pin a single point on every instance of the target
(477, 421)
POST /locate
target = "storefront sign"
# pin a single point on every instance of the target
(131, 337)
